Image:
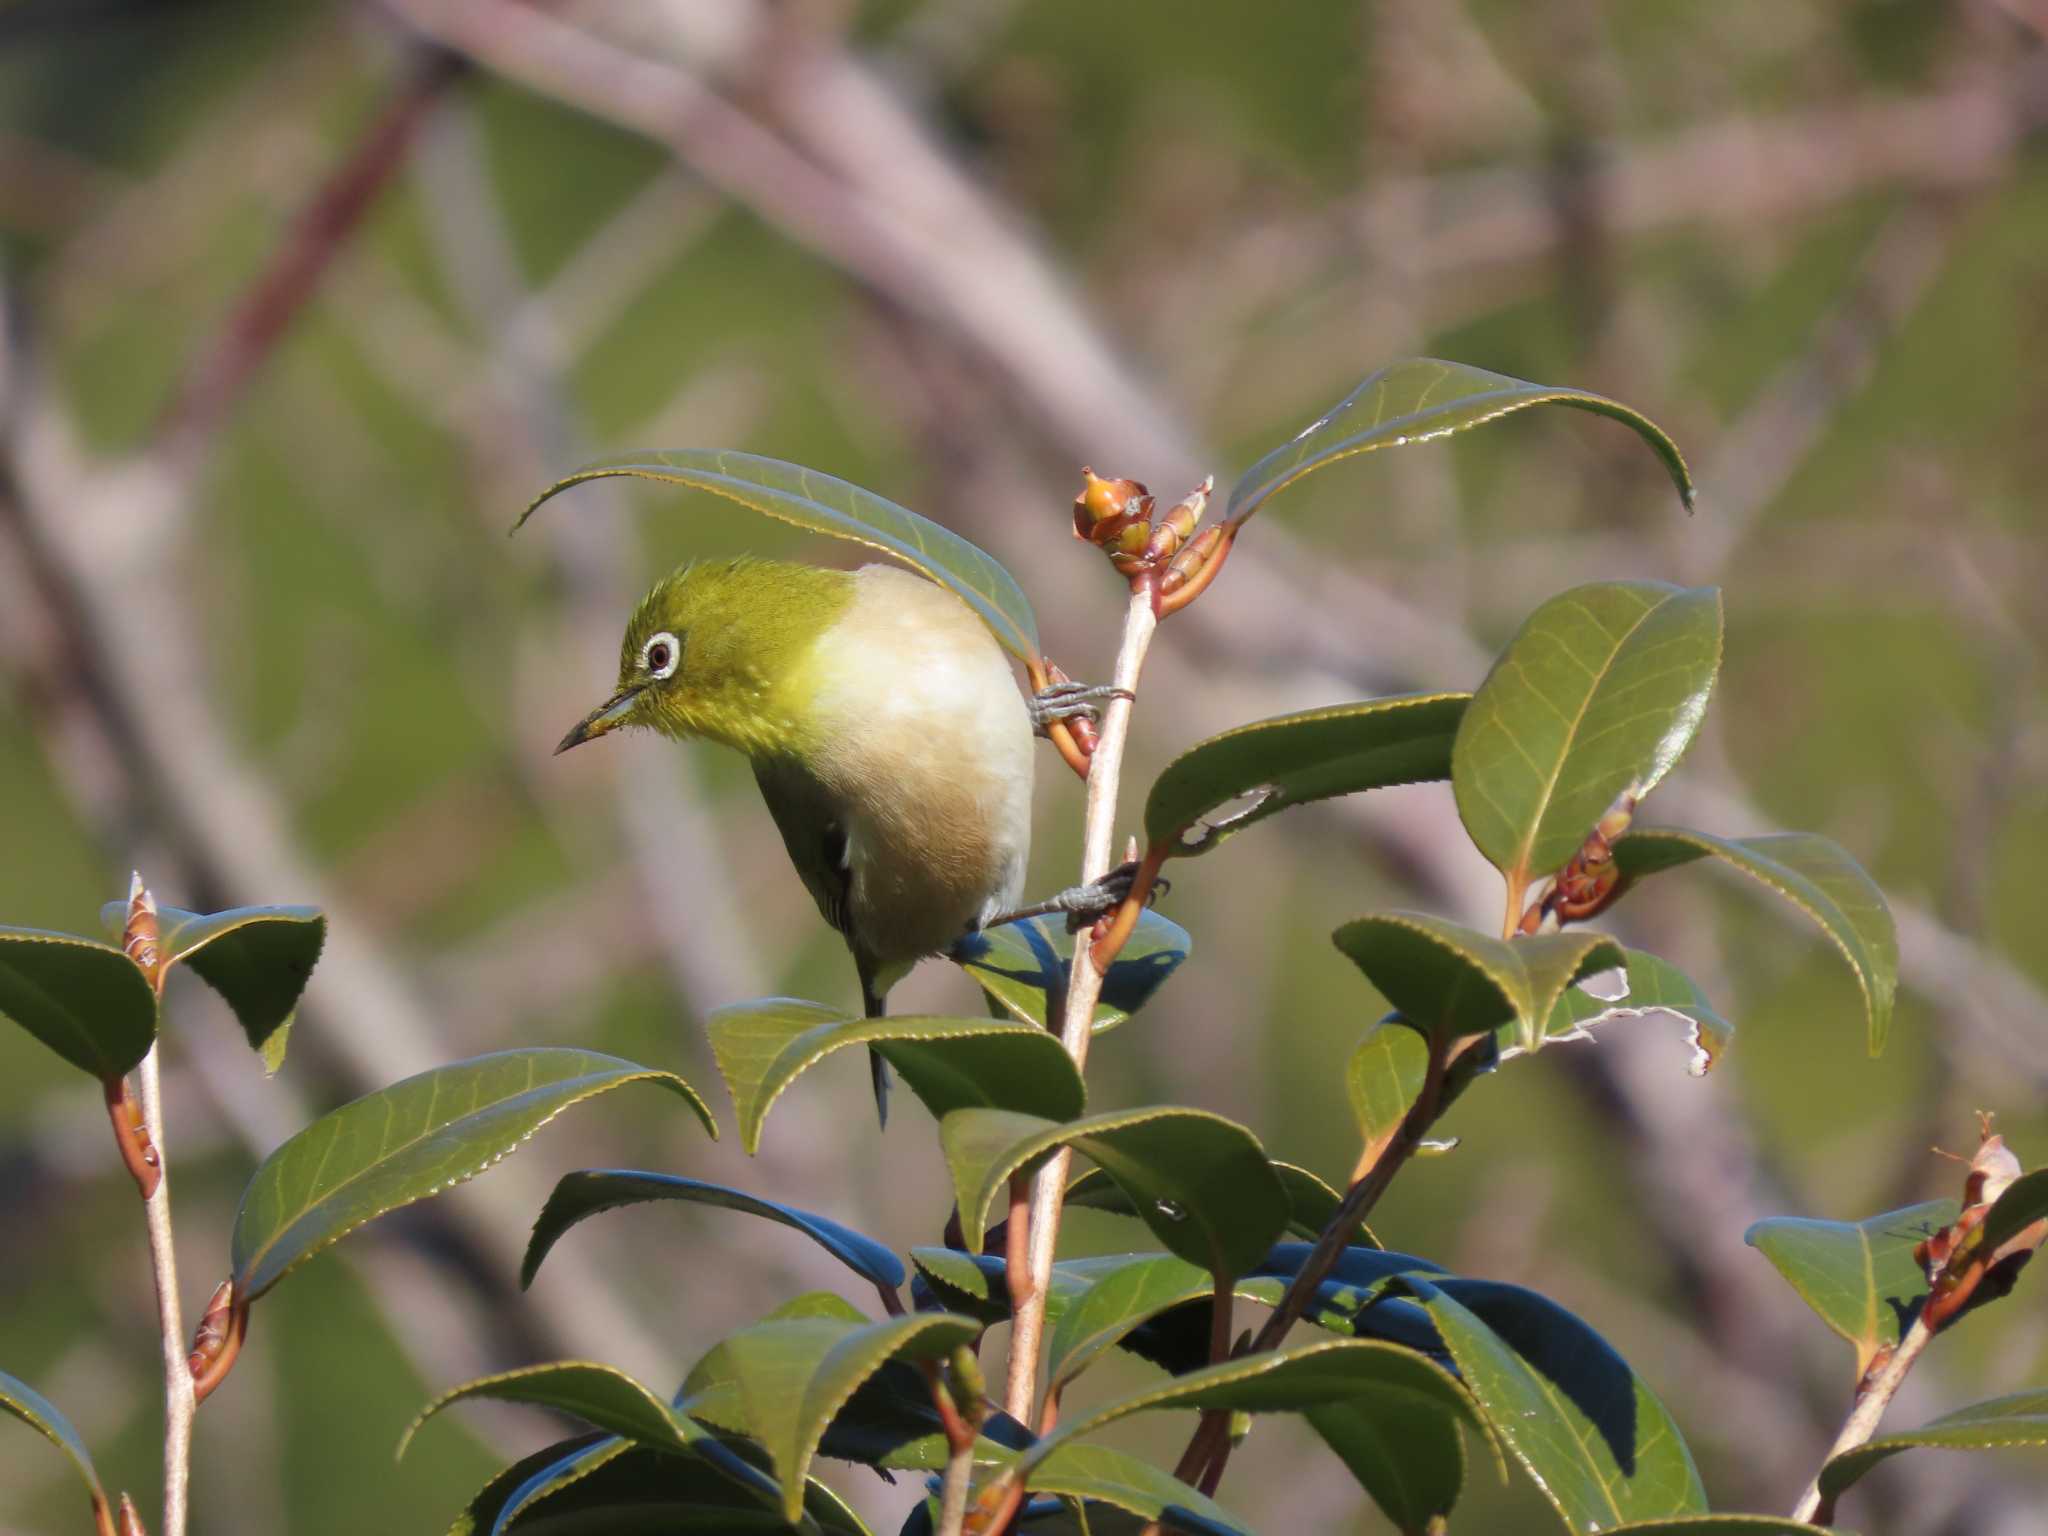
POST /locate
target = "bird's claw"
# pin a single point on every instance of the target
(1086, 904)
(1070, 701)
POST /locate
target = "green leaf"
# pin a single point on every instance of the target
(1098, 1474)
(85, 1000)
(1024, 966)
(1598, 694)
(973, 1284)
(1132, 1290)
(1384, 1077)
(257, 958)
(1815, 875)
(24, 1402)
(1595, 1440)
(1859, 1276)
(763, 1046)
(1419, 399)
(1311, 1203)
(789, 1376)
(1294, 759)
(586, 1193)
(1454, 982)
(2024, 1202)
(597, 1394)
(1413, 1465)
(1202, 1182)
(1721, 1525)
(416, 1138)
(821, 504)
(2019, 1420)
(1655, 987)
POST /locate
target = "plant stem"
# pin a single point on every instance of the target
(1872, 1398)
(163, 1261)
(1105, 770)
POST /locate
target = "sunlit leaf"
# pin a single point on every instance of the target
(1860, 1277)
(1270, 765)
(1599, 693)
(257, 958)
(822, 504)
(1812, 873)
(1130, 1291)
(974, 1284)
(1721, 1525)
(85, 1000)
(1024, 965)
(2023, 1202)
(20, 1400)
(602, 1397)
(1108, 1477)
(1413, 1465)
(1656, 988)
(1384, 1078)
(2019, 1420)
(416, 1138)
(1417, 400)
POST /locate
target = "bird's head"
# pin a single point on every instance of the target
(711, 649)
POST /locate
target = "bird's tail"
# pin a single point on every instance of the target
(876, 1004)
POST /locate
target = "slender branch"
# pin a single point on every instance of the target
(1084, 986)
(163, 1262)
(1872, 1398)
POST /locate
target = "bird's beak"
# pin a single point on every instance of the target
(608, 716)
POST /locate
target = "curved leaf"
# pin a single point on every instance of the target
(1721, 1525)
(974, 1284)
(85, 1000)
(1412, 1465)
(599, 1395)
(2022, 1203)
(1101, 1475)
(1024, 966)
(1311, 1203)
(1418, 399)
(1598, 694)
(586, 1193)
(762, 1047)
(1595, 1440)
(1384, 1077)
(1202, 1182)
(1455, 982)
(1815, 875)
(1124, 1296)
(257, 958)
(822, 504)
(1654, 987)
(2018, 1420)
(416, 1138)
(24, 1402)
(1860, 1277)
(1293, 759)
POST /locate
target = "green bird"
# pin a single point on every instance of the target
(887, 733)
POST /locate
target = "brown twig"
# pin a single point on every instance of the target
(1872, 1398)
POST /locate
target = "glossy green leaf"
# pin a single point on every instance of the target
(822, 504)
(605, 1398)
(1384, 1077)
(1100, 1475)
(2023, 1202)
(1202, 1182)
(973, 1284)
(1417, 400)
(1860, 1277)
(85, 1000)
(1455, 982)
(1127, 1293)
(1412, 1465)
(1595, 1440)
(1294, 759)
(1656, 989)
(1598, 694)
(787, 1377)
(763, 1046)
(20, 1400)
(416, 1138)
(1311, 1203)
(1024, 966)
(1812, 873)
(257, 958)
(2003, 1422)
(586, 1193)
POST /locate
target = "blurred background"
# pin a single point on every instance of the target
(302, 302)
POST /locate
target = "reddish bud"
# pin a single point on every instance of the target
(140, 938)
(130, 1519)
(1102, 499)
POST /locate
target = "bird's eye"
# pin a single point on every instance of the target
(660, 655)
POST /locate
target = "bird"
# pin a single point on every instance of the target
(886, 731)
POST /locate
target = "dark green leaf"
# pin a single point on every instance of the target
(257, 958)
(822, 504)
(1455, 982)
(1411, 1464)
(1417, 400)
(763, 1046)
(1311, 1203)
(1812, 873)
(1596, 1441)
(1202, 1182)
(2019, 1420)
(592, 1190)
(1655, 987)
(1599, 693)
(1294, 759)
(24, 1402)
(416, 1138)
(84, 1000)
(2024, 1202)
(973, 1284)
(1024, 966)
(1859, 1276)
(1128, 1292)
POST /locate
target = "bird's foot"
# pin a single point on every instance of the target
(1084, 904)
(1070, 701)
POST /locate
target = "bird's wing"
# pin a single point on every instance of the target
(807, 818)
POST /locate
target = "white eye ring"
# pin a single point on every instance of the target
(661, 655)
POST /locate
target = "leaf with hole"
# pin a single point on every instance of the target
(1454, 982)
(1420, 399)
(1815, 875)
(819, 503)
(1655, 989)
(1598, 694)
(1860, 1277)
(1024, 966)
(257, 958)
(1201, 1182)
(2003, 1422)
(416, 1138)
(85, 1000)
(21, 1401)
(1270, 765)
